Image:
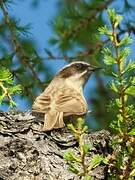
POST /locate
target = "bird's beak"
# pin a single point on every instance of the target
(94, 68)
(97, 68)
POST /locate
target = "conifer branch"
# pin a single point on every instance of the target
(85, 22)
(17, 47)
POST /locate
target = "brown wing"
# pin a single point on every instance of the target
(63, 99)
(71, 102)
(58, 103)
(42, 103)
(53, 120)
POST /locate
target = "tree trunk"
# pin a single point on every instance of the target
(27, 153)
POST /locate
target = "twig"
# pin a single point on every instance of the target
(83, 23)
(16, 44)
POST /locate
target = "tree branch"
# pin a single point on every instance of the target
(18, 49)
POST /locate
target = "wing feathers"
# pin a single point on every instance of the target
(42, 104)
(53, 120)
(71, 105)
(63, 102)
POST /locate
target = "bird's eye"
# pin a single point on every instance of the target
(78, 66)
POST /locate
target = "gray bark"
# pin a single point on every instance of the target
(27, 153)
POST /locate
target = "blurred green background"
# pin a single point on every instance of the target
(38, 37)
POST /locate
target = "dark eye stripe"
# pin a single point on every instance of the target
(81, 66)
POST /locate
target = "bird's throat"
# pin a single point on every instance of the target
(75, 83)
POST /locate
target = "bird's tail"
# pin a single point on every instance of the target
(53, 120)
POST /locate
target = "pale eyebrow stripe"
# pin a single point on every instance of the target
(68, 65)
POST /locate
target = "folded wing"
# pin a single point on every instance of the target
(71, 102)
(42, 103)
(64, 102)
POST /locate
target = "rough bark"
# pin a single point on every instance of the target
(27, 153)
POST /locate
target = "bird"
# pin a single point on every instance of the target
(64, 96)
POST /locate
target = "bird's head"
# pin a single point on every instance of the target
(77, 72)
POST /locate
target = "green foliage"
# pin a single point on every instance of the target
(7, 87)
(132, 132)
(96, 161)
(126, 40)
(18, 54)
(123, 87)
(78, 163)
(86, 148)
(74, 25)
(114, 18)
